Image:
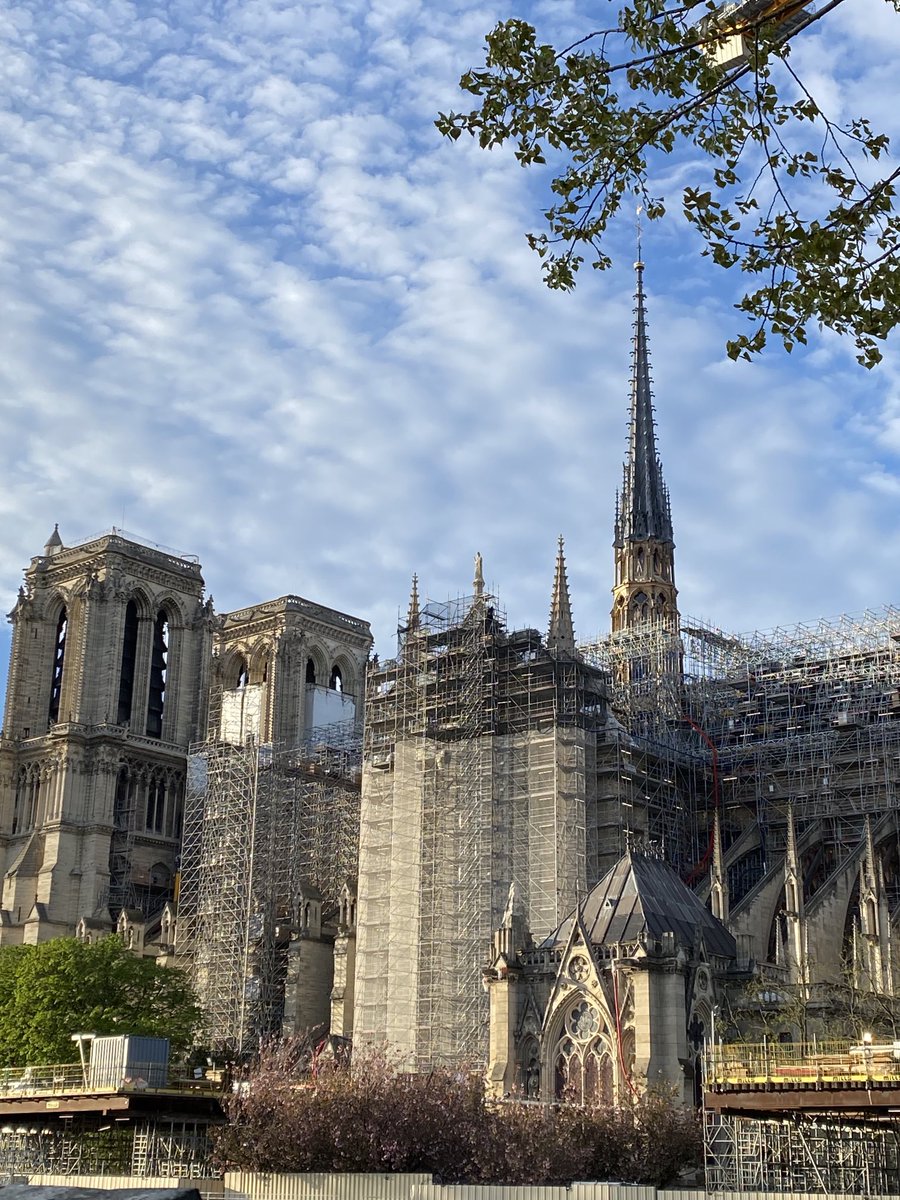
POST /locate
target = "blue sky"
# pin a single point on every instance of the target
(257, 310)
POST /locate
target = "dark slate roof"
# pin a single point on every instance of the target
(644, 896)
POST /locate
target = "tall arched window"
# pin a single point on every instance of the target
(583, 1066)
(156, 700)
(156, 805)
(129, 662)
(59, 655)
(123, 802)
(336, 682)
(310, 671)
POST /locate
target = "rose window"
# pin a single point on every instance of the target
(584, 1022)
(579, 969)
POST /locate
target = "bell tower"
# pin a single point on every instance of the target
(106, 690)
(644, 593)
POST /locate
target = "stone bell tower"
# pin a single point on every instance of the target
(107, 679)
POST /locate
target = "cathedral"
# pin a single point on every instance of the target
(561, 861)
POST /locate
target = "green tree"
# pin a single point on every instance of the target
(779, 190)
(61, 987)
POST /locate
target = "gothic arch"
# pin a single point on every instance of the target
(164, 656)
(55, 602)
(562, 1025)
(59, 612)
(232, 665)
(315, 653)
(169, 604)
(348, 674)
(258, 660)
(142, 601)
(580, 1059)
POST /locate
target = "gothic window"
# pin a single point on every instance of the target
(159, 663)
(34, 789)
(243, 675)
(639, 563)
(17, 803)
(579, 969)
(124, 800)
(156, 805)
(336, 682)
(59, 655)
(175, 809)
(583, 1068)
(310, 671)
(657, 565)
(25, 806)
(583, 1021)
(640, 605)
(128, 665)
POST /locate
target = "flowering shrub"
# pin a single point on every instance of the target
(297, 1115)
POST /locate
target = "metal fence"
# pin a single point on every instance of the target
(249, 1186)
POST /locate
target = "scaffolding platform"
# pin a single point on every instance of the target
(261, 825)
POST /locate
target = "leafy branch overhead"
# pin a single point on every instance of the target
(797, 200)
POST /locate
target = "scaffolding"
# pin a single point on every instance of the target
(259, 826)
(475, 780)
(805, 716)
(805, 1152)
(99, 1145)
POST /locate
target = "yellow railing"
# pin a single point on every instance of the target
(801, 1063)
(70, 1078)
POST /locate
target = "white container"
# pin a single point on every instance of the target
(129, 1061)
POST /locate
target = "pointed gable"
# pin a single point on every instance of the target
(643, 899)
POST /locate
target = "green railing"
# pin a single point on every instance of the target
(739, 1064)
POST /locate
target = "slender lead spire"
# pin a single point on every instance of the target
(643, 510)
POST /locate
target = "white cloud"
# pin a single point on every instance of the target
(254, 304)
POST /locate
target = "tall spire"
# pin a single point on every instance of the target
(644, 592)
(413, 616)
(643, 511)
(561, 633)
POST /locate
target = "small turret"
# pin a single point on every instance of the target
(53, 544)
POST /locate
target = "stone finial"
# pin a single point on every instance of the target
(718, 892)
(561, 632)
(413, 614)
